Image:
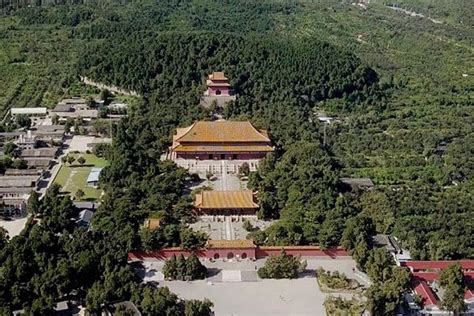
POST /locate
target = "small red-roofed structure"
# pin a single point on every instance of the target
(469, 295)
(427, 295)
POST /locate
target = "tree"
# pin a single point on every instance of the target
(55, 119)
(11, 149)
(244, 169)
(181, 267)
(67, 126)
(64, 159)
(248, 226)
(23, 120)
(79, 194)
(105, 95)
(452, 281)
(19, 164)
(77, 124)
(194, 268)
(198, 308)
(158, 302)
(282, 266)
(90, 102)
(3, 237)
(192, 240)
(33, 205)
(81, 160)
(379, 265)
(170, 268)
(70, 159)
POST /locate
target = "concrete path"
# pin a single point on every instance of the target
(224, 176)
(228, 228)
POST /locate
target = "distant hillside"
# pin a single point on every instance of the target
(451, 11)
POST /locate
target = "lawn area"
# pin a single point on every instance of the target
(74, 177)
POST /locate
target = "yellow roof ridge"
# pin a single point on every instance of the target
(223, 243)
(257, 135)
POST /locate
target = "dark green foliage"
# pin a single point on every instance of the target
(282, 266)
(334, 280)
(19, 164)
(33, 205)
(172, 235)
(52, 259)
(452, 281)
(182, 269)
(22, 120)
(198, 308)
(385, 294)
(11, 149)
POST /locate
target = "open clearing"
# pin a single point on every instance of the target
(74, 177)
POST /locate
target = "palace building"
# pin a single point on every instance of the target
(218, 85)
(226, 203)
(220, 140)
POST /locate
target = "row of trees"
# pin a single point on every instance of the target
(184, 269)
(172, 235)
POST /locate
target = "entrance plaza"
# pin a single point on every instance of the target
(216, 167)
(235, 289)
(227, 227)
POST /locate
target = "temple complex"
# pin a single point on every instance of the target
(225, 203)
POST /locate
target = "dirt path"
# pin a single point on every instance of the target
(112, 89)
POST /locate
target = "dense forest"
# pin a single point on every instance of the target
(394, 83)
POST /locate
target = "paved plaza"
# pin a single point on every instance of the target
(235, 289)
(14, 226)
(83, 143)
(227, 227)
(267, 297)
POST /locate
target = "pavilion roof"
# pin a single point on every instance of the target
(225, 200)
(217, 75)
(242, 243)
(211, 83)
(221, 132)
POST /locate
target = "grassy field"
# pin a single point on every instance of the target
(74, 177)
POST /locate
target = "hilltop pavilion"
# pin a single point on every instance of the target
(218, 85)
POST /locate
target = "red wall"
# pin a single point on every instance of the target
(213, 90)
(302, 251)
(258, 253)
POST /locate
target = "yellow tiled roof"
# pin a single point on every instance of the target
(225, 200)
(242, 243)
(222, 132)
(217, 75)
(217, 84)
(236, 148)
